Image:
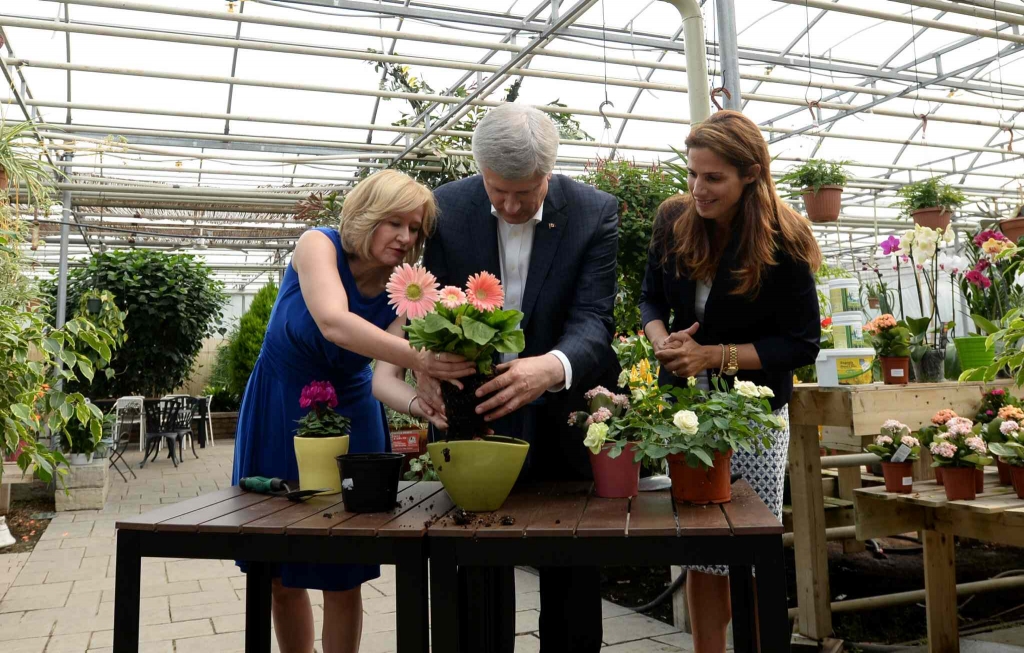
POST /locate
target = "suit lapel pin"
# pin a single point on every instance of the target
(551, 225)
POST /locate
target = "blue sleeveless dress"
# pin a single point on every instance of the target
(295, 353)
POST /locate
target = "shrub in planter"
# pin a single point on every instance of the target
(80, 442)
(705, 428)
(821, 185)
(960, 452)
(898, 449)
(321, 437)
(930, 203)
(891, 342)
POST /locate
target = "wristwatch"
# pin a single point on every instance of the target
(733, 365)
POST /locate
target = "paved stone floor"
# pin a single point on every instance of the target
(59, 598)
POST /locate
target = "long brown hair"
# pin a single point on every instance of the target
(765, 220)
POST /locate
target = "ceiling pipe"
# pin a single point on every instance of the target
(699, 93)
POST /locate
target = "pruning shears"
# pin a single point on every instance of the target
(276, 487)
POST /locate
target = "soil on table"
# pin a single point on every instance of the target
(863, 575)
(28, 500)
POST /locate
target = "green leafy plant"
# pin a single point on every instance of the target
(247, 341)
(421, 469)
(22, 166)
(171, 301)
(319, 210)
(640, 190)
(631, 351)
(321, 421)
(890, 338)
(891, 437)
(928, 194)
(82, 439)
(813, 174)
(702, 423)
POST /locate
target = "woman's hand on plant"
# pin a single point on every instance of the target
(444, 366)
(429, 391)
(681, 355)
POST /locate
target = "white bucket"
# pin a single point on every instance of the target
(844, 295)
(848, 330)
(836, 367)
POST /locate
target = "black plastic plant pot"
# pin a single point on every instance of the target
(369, 481)
(93, 305)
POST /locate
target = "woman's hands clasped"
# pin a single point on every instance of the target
(680, 354)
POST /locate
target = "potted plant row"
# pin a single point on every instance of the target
(962, 455)
(477, 469)
(820, 184)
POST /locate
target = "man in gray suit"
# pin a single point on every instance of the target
(553, 242)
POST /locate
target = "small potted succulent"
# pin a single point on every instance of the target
(898, 449)
(962, 455)
(705, 428)
(321, 437)
(821, 185)
(477, 469)
(1011, 453)
(891, 341)
(930, 203)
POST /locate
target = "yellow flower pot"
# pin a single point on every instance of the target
(317, 465)
(479, 474)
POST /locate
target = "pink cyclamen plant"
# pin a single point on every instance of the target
(321, 421)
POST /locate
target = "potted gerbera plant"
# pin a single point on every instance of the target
(962, 455)
(321, 437)
(892, 345)
(1011, 453)
(477, 469)
(706, 428)
(898, 449)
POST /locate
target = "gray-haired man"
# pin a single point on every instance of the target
(553, 242)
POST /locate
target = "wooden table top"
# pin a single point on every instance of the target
(542, 510)
(928, 494)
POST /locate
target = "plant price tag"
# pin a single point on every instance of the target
(901, 454)
(897, 373)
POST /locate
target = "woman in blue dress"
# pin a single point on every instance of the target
(330, 319)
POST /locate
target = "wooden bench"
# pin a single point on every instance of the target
(232, 524)
(997, 515)
(563, 525)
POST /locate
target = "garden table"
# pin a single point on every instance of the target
(996, 515)
(849, 416)
(561, 524)
(232, 524)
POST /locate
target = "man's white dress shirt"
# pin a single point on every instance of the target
(515, 244)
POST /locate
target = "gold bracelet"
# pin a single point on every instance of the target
(734, 365)
(721, 366)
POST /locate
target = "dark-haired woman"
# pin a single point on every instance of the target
(733, 265)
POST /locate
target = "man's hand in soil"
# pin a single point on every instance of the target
(518, 383)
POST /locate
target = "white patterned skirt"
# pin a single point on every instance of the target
(766, 473)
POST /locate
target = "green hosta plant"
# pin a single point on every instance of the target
(814, 174)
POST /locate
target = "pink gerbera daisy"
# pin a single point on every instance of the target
(452, 297)
(412, 291)
(484, 292)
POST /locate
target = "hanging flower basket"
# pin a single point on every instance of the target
(1012, 228)
(932, 217)
(824, 205)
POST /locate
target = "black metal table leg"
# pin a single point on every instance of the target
(413, 623)
(770, 589)
(257, 607)
(741, 590)
(127, 589)
(444, 596)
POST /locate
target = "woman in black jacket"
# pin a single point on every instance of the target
(729, 290)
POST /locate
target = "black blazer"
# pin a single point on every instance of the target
(569, 299)
(782, 321)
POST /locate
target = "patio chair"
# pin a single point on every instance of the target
(135, 403)
(205, 421)
(120, 433)
(161, 424)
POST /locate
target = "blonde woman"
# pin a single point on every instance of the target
(330, 319)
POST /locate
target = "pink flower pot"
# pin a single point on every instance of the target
(615, 478)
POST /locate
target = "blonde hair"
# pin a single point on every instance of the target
(380, 195)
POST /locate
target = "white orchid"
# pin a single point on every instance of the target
(953, 263)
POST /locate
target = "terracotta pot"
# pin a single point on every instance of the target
(895, 370)
(824, 205)
(874, 302)
(979, 480)
(960, 483)
(933, 218)
(699, 485)
(938, 476)
(899, 477)
(1012, 228)
(4, 182)
(615, 478)
(1005, 473)
(1017, 474)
